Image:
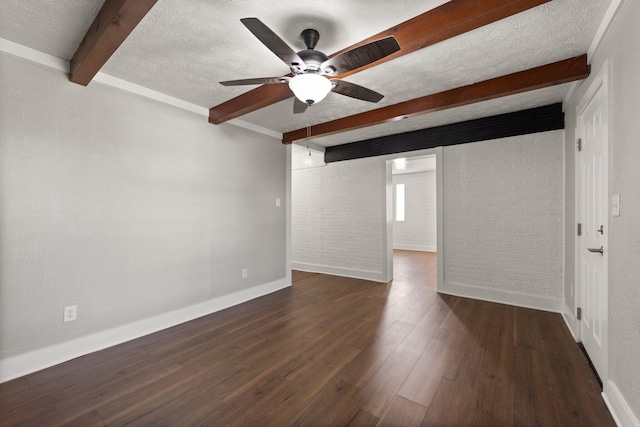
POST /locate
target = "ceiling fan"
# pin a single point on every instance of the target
(313, 72)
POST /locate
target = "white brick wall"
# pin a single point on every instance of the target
(418, 231)
(337, 218)
(502, 228)
(503, 216)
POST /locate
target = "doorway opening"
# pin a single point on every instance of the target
(414, 208)
(414, 203)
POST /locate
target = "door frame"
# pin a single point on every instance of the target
(600, 82)
(437, 152)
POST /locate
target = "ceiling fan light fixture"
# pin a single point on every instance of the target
(310, 88)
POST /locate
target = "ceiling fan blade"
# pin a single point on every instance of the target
(355, 91)
(299, 107)
(274, 43)
(257, 81)
(361, 56)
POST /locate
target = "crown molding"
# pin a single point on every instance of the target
(604, 26)
(50, 61)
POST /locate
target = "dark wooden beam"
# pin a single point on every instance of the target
(112, 26)
(444, 22)
(535, 78)
(253, 100)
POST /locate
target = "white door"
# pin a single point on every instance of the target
(593, 215)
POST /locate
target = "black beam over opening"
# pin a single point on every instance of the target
(534, 120)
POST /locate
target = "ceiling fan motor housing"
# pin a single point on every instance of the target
(313, 59)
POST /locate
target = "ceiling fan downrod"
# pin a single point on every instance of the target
(310, 38)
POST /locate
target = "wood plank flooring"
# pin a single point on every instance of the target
(329, 351)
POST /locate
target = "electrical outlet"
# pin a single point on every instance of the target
(245, 273)
(70, 313)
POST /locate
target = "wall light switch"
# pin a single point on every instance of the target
(245, 273)
(615, 205)
(278, 202)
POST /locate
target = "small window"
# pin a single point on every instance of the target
(399, 202)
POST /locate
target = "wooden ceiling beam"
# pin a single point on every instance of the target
(556, 73)
(444, 22)
(113, 24)
(248, 102)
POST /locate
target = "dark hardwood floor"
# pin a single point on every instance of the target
(329, 351)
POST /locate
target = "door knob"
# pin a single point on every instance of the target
(598, 250)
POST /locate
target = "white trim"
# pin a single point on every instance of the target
(604, 26)
(601, 79)
(600, 82)
(618, 406)
(501, 297)
(255, 128)
(575, 292)
(20, 51)
(437, 152)
(567, 97)
(36, 360)
(287, 205)
(375, 276)
(51, 61)
(419, 248)
(127, 86)
(387, 223)
(570, 320)
(440, 217)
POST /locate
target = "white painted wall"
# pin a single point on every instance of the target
(303, 157)
(502, 228)
(418, 231)
(338, 216)
(131, 209)
(621, 45)
(503, 223)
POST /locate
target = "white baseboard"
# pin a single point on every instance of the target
(570, 320)
(492, 295)
(420, 248)
(618, 406)
(18, 366)
(375, 276)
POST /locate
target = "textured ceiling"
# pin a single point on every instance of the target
(184, 48)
